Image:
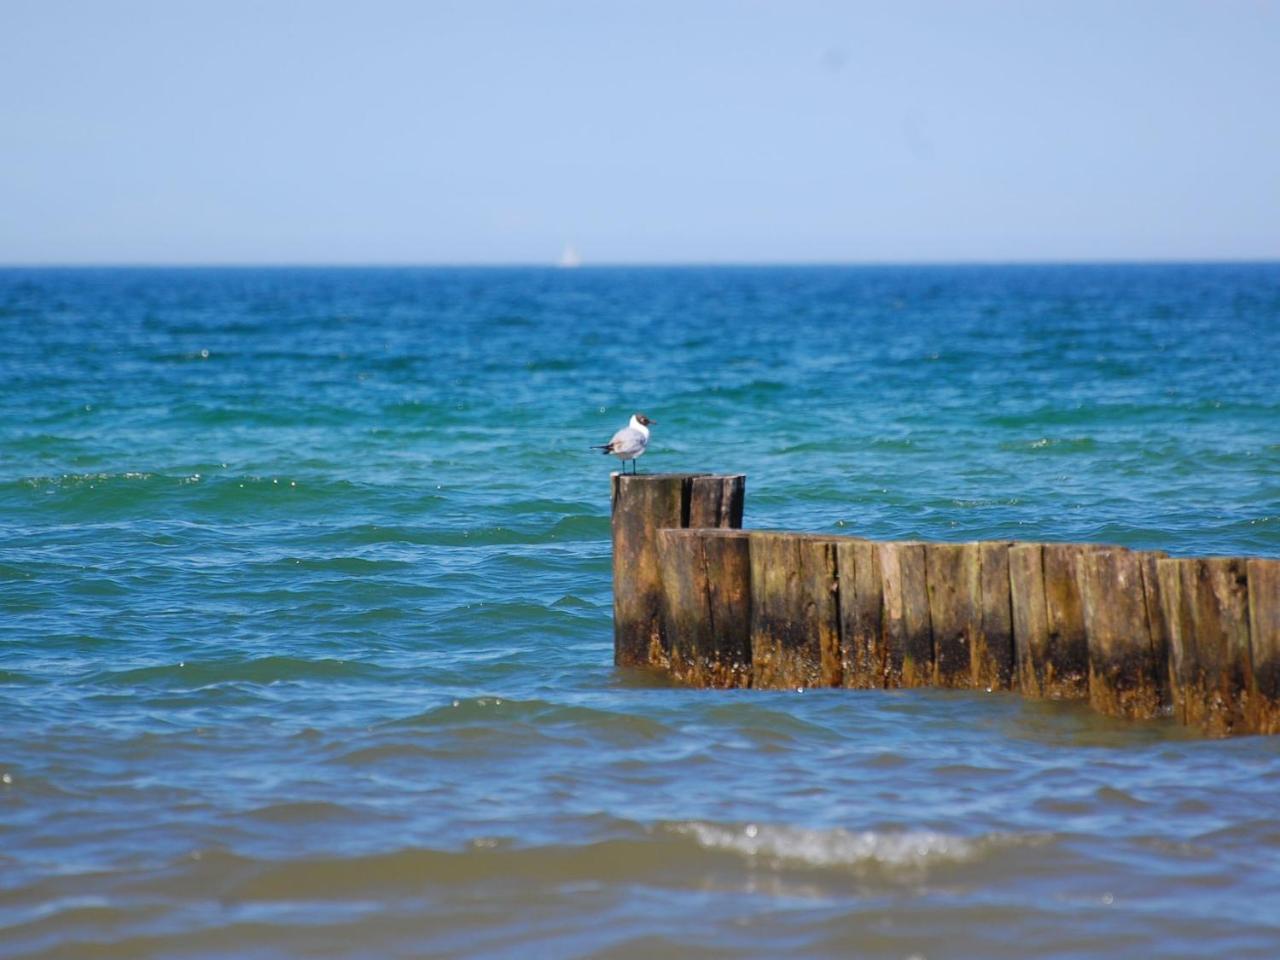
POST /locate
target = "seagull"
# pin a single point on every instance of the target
(629, 442)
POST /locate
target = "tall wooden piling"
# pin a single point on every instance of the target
(992, 660)
(716, 501)
(706, 578)
(1125, 663)
(1264, 644)
(1048, 620)
(1030, 621)
(1157, 623)
(863, 653)
(1065, 610)
(1177, 616)
(953, 573)
(1206, 602)
(795, 613)
(907, 634)
(643, 504)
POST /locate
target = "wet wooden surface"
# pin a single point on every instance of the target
(1124, 665)
(795, 621)
(1030, 618)
(992, 660)
(706, 577)
(1264, 644)
(908, 638)
(861, 616)
(1206, 602)
(643, 504)
(953, 573)
(1137, 633)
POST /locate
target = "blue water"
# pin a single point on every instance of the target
(305, 636)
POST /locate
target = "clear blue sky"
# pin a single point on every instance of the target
(389, 131)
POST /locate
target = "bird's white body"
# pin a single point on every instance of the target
(631, 441)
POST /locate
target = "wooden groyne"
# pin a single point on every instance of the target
(643, 506)
(1136, 633)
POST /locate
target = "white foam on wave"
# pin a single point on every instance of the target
(781, 845)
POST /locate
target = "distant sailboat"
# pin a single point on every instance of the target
(570, 258)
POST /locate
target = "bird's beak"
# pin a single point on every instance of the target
(653, 423)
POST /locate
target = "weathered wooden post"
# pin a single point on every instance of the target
(1158, 625)
(1264, 644)
(1177, 616)
(907, 633)
(1065, 611)
(1125, 662)
(1030, 621)
(1206, 602)
(643, 504)
(862, 649)
(706, 578)
(716, 501)
(795, 611)
(992, 659)
(1048, 620)
(953, 572)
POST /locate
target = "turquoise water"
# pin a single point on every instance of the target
(306, 638)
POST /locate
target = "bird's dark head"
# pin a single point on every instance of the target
(641, 418)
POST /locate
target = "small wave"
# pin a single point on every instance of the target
(556, 365)
(349, 566)
(1063, 445)
(205, 493)
(542, 714)
(573, 528)
(264, 670)
(580, 527)
(301, 812)
(545, 505)
(909, 852)
(828, 848)
(571, 602)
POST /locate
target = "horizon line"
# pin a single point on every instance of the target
(619, 264)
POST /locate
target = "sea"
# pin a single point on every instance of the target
(306, 618)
